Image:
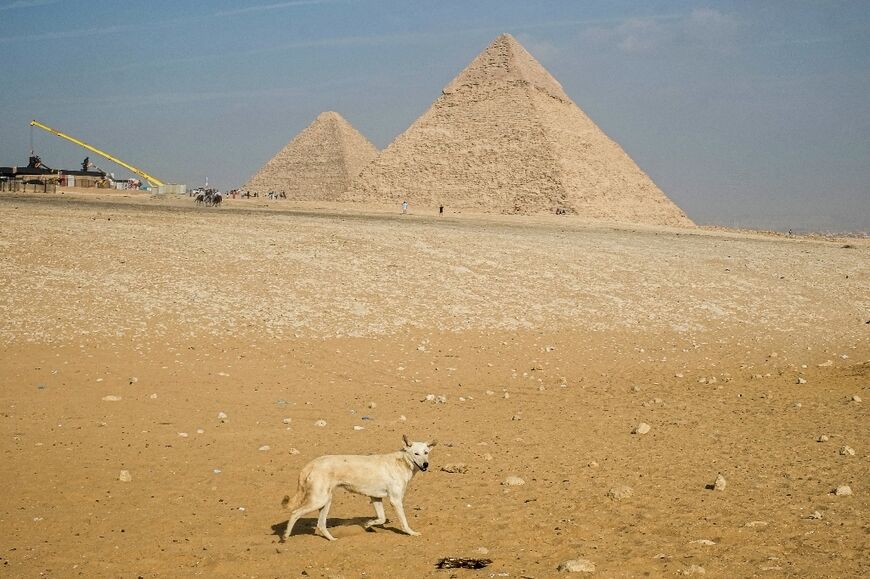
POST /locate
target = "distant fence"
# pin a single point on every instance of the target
(27, 186)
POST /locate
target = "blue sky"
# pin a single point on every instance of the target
(746, 113)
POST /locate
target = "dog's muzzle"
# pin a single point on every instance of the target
(425, 467)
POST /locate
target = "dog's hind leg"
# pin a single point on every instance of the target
(310, 503)
(378, 504)
(396, 501)
(321, 520)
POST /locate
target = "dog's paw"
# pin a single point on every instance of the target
(412, 533)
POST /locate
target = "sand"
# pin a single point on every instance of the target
(552, 340)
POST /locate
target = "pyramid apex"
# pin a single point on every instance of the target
(329, 116)
(506, 60)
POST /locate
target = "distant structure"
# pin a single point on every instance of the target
(318, 164)
(504, 137)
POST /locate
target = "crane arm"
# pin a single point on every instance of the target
(151, 179)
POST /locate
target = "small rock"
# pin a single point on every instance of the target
(133, 380)
(620, 492)
(372, 405)
(823, 438)
(516, 417)
(513, 481)
(847, 451)
(222, 416)
(703, 542)
(441, 400)
(720, 483)
(111, 398)
(800, 381)
(592, 464)
(183, 434)
(125, 476)
(756, 524)
(815, 515)
(293, 451)
(402, 418)
(508, 395)
(200, 431)
(457, 468)
(635, 388)
(693, 570)
(483, 550)
(855, 398)
(641, 428)
(429, 398)
(843, 491)
(577, 566)
(153, 396)
(287, 420)
(358, 427)
(320, 423)
(265, 448)
(487, 457)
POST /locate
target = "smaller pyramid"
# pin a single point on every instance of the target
(318, 164)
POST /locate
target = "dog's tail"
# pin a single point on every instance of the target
(297, 499)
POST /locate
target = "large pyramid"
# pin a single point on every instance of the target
(318, 164)
(504, 137)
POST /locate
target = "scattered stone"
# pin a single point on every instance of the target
(457, 468)
(720, 483)
(815, 515)
(222, 416)
(703, 542)
(293, 451)
(843, 491)
(429, 398)
(483, 550)
(508, 395)
(847, 451)
(358, 427)
(635, 388)
(321, 423)
(402, 418)
(693, 570)
(823, 438)
(621, 492)
(125, 476)
(287, 420)
(513, 481)
(855, 398)
(41, 386)
(111, 398)
(183, 434)
(487, 457)
(441, 400)
(592, 464)
(825, 364)
(372, 405)
(133, 380)
(577, 566)
(801, 380)
(265, 448)
(200, 431)
(516, 417)
(153, 396)
(641, 428)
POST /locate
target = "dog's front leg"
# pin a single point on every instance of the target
(379, 511)
(396, 501)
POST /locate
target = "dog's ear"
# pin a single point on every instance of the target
(433, 443)
(405, 439)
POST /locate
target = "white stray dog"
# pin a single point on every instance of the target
(375, 476)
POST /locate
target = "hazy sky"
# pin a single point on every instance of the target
(748, 113)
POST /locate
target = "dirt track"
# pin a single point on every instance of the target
(267, 313)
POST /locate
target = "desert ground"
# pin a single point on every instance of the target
(197, 349)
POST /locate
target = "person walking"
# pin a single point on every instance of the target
(404, 207)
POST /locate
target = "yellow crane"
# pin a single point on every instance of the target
(154, 181)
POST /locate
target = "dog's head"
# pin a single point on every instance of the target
(418, 452)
